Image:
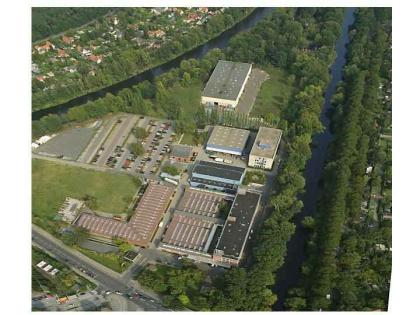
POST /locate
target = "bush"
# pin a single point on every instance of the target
(140, 133)
(171, 170)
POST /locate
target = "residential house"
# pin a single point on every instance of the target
(61, 53)
(67, 39)
(41, 78)
(94, 58)
(86, 52)
(192, 17)
(44, 48)
(157, 33)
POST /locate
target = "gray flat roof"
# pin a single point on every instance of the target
(228, 138)
(226, 80)
(266, 142)
(181, 150)
(238, 223)
(218, 170)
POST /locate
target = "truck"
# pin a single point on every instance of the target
(171, 181)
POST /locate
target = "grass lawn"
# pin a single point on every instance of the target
(110, 260)
(188, 139)
(52, 183)
(274, 94)
(254, 177)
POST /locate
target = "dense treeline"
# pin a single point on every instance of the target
(51, 21)
(310, 56)
(131, 60)
(344, 271)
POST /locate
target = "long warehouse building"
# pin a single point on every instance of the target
(140, 229)
(226, 84)
(210, 175)
(236, 230)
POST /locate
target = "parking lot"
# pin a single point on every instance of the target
(110, 147)
(111, 150)
(156, 145)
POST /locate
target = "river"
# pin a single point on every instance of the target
(288, 275)
(220, 41)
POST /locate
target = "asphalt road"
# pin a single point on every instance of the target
(105, 280)
(117, 137)
(98, 138)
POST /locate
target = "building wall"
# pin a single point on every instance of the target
(208, 186)
(217, 149)
(223, 102)
(218, 179)
(260, 162)
(205, 100)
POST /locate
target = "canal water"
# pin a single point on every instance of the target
(220, 41)
(288, 275)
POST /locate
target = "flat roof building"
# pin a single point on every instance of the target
(188, 235)
(227, 140)
(226, 84)
(236, 229)
(181, 153)
(142, 225)
(202, 203)
(217, 176)
(264, 148)
(194, 224)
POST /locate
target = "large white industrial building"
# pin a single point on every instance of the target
(227, 140)
(226, 84)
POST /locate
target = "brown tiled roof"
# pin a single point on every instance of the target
(200, 202)
(142, 225)
(68, 39)
(188, 232)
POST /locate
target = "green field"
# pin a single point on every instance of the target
(274, 94)
(52, 183)
(111, 260)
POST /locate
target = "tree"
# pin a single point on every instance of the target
(136, 148)
(140, 133)
(308, 222)
(171, 170)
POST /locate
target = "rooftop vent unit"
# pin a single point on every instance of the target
(264, 146)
